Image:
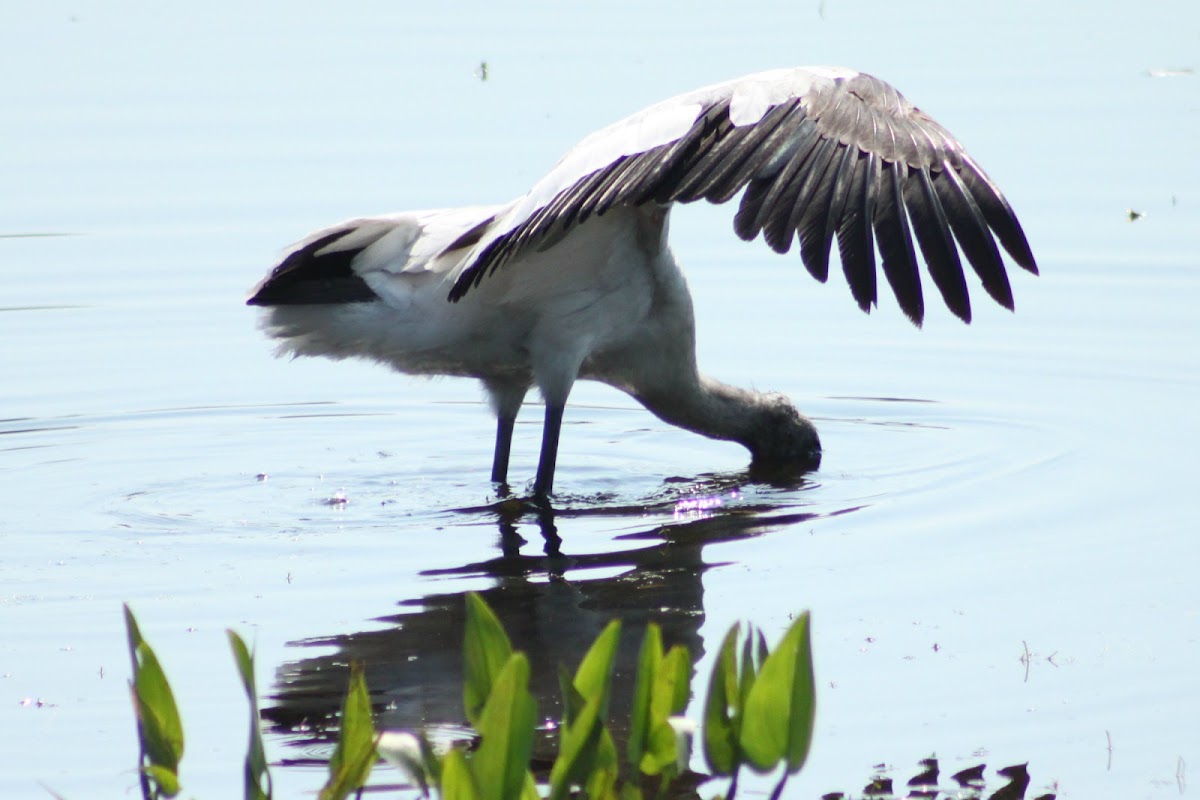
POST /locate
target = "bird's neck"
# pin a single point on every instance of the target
(779, 437)
(710, 408)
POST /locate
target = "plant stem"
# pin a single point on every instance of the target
(779, 787)
(733, 782)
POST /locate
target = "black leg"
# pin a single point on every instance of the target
(504, 434)
(506, 398)
(544, 484)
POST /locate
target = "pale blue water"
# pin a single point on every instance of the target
(1032, 484)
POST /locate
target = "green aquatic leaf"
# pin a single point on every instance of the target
(674, 681)
(602, 781)
(804, 696)
(780, 707)
(458, 783)
(649, 656)
(720, 708)
(159, 726)
(486, 649)
(506, 724)
(669, 697)
(659, 754)
(579, 742)
(354, 755)
(587, 753)
(594, 674)
(599, 756)
(158, 717)
(256, 776)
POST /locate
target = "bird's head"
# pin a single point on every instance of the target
(783, 439)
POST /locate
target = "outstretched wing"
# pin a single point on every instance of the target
(820, 152)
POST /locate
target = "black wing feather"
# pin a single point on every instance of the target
(895, 243)
(937, 245)
(998, 213)
(757, 151)
(971, 230)
(308, 277)
(706, 168)
(854, 232)
(813, 204)
(764, 206)
(849, 158)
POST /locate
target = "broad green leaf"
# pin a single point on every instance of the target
(779, 708)
(595, 670)
(804, 696)
(506, 733)
(671, 685)
(720, 736)
(649, 657)
(577, 750)
(158, 716)
(669, 695)
(486, 649)
(660, 749)
(596, 765)
(354, 755)
(602, 756)
(457, 781)
(674, 681)
(159, 726)
(256, 777)
(606, 752)
(155, 693)
(602, 782)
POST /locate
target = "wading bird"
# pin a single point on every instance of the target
(575, 278)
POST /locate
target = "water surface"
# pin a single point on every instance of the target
(998, 549)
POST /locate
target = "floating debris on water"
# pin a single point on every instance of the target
(1170, 72)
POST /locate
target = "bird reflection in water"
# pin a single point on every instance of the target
(553, 604)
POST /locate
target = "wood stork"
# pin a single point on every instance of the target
(575, 279)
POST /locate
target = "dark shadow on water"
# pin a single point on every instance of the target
(552, 602)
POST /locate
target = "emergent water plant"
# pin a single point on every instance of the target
(758, 714)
